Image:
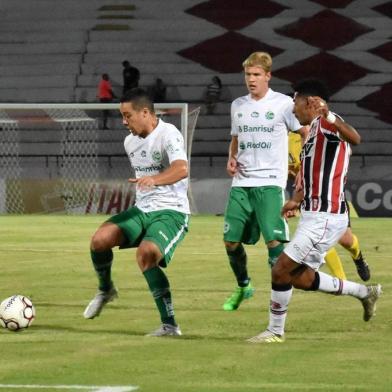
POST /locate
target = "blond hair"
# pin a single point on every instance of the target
(259, 59)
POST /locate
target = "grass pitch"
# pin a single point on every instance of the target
(328, 346)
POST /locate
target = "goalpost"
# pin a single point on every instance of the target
(57, 157)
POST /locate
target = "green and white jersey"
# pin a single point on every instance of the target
(262, 129)
(152, 155)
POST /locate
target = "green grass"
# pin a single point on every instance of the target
(328, 346)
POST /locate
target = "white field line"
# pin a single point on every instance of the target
(31, 250)
(91, 388)
(250, 252)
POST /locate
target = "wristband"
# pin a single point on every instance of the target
(331, 118)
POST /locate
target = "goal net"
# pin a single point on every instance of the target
(58, 157)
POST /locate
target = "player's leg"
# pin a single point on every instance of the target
(117, 231)
(267, 203)
(105, 238)
(334, 264)
(350, 242)
(297, 267)
(165, 231)
(311, 241)
(238, 228)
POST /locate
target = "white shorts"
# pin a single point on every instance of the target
(316, 233)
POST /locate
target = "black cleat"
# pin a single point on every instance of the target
(362, 267)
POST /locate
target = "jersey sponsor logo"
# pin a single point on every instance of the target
(250, 145)
(156, 156)
(269, 115)
(247, 128)
(254, 114)
(148, 169)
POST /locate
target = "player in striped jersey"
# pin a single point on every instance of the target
(324, 164)
(349, 240)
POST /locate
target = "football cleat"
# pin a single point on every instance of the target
(362, 267)
(267, 337)
(240, 293)
(96, 305)
(166, 330)
(369, 302)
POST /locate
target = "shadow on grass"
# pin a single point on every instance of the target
(130, 333)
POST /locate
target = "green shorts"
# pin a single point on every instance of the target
(165, 228)
(254, 210)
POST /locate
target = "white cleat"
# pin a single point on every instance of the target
(369, 302)
(267, 337)
(166, 330)
(96, 305)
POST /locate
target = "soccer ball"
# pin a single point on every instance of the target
(16, 312)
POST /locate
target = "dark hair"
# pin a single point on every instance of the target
(139, 99)
(217, 80)
(311, 87)
(125, 63)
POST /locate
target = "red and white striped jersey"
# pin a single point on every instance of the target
(324, 164)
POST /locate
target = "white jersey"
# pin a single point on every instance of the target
(262, 128)
(152, 155)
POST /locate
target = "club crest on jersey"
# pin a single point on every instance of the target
(269, 115)
(254, 114)
(143, 154)
(156, 156)
(226, 227)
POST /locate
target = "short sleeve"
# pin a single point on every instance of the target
(291, 121)
(174, 146)
(234, 128)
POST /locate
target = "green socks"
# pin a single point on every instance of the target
(238, 259)
(160, 290)
(102, 262)
(273, 254)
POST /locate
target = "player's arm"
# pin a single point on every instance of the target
(304, 131)
(291, 207)
(346, 132)
(177, 170)
(232, 161)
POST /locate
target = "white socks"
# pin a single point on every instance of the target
(278, 310)
(333, 285)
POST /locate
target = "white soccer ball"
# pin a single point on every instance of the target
(16, 312)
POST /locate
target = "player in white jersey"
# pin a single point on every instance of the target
(159, 219)
(258, 161)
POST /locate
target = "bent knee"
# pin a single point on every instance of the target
(231, 246)
(106, 237)
(148, 255)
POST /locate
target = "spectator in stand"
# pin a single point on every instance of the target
(157, 91)
(131, 76)
(213, 93)
(105, 95)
